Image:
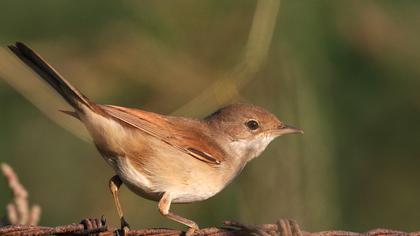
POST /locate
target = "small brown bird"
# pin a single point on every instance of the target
(166, 158)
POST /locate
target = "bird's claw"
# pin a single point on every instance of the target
(191, 231)
(125, 227)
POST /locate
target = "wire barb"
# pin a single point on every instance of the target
(283, 227)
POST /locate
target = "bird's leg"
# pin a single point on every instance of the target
(164, 206)
(114, 184)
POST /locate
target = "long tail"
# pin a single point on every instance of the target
(76, 99)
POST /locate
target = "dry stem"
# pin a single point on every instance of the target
(17, 211)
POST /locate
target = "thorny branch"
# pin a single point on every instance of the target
(281, 227)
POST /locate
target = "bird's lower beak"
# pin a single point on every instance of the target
(287, 129)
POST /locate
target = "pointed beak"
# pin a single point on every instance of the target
(287, 129)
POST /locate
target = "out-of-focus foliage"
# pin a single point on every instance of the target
(347, 72)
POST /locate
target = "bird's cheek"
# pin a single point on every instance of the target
(238, 132)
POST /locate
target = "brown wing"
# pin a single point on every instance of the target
(192, 140)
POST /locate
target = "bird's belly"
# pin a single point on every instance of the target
(137, 182)
(192, 196)
(185, 187)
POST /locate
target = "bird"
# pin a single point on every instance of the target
(163, 158)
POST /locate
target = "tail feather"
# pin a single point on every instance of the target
(76, 99)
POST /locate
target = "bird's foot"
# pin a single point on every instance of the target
(193, 228)
(125, 227)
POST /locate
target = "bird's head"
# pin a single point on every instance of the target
(248, 128)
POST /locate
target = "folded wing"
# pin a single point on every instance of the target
(192, 140)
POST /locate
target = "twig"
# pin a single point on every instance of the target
(17, 211)
(231, 228)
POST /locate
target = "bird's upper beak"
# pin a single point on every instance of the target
(287, 129)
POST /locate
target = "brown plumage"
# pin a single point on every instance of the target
(166, 158)
(193, 141)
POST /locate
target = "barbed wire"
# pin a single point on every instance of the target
(230, 228)
(22, 220)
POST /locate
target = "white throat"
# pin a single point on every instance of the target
(249, 149)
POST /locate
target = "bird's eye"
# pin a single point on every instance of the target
(252, 124)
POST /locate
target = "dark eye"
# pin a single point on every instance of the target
(252, 124)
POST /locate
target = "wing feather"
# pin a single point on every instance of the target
(194, 141)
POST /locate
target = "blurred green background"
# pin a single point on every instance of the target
(347, 72)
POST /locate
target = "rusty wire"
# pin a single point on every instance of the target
(230, 228)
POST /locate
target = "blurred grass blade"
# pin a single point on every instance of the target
(228, 86)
